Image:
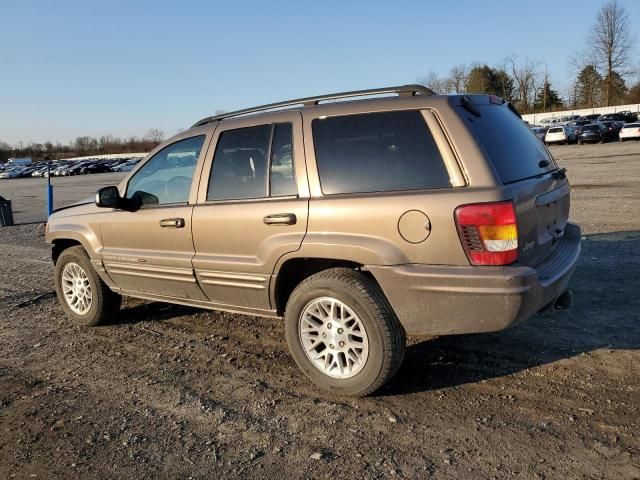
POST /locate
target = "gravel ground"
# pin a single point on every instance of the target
(170, 391)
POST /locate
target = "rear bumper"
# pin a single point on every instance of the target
(446, 300)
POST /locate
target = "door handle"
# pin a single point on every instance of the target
(172, 223)
(280, 219)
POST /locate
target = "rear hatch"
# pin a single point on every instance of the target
(540, 190)
(555, 134)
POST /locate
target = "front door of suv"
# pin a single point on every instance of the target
(149, 249)
(252, 208)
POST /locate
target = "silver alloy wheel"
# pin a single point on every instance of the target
(333, 337)
(76, 288)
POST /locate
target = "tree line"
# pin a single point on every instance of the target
(600, 72)
(82, 146)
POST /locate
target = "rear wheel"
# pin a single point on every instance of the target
(84, 297)
(342, 332)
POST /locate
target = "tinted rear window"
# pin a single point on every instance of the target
(590, 128)
(631, 125)
(555, 130)
(512, 147)
(377, 152)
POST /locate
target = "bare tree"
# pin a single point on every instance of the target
(435, 82)
(458, 76)
(525, 75)
(610, 43)
(155, 135)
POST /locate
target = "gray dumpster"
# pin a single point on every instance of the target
(6, 215)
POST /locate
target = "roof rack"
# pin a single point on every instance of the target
(404, 90)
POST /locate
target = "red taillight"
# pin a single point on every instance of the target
(488, 232)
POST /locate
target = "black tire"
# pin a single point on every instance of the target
(105, 303)
(386, 336)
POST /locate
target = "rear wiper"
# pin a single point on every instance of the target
(468, 105)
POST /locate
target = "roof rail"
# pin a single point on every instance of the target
(404, 90)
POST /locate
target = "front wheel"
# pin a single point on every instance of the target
(84, 297)
(342, 332)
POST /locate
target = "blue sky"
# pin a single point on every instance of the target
(72, 68)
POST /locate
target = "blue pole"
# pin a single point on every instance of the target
(49, 192)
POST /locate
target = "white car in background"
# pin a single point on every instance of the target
(630, 131)
(548, 122)
(562, 135)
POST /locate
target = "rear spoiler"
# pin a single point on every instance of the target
(469, 106)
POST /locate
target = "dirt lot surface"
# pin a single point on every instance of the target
(176, 392)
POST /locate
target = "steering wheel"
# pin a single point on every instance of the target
(177, 189)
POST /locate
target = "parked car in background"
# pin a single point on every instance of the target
(20, 161)
(610, 130)
(565, 119)
(7, 174)
(126, 166)
(591, 117)
(548, 122)
(540, 132)
(625, 116)
(62, 168)
(631, 131)
(592, 133)
(562, 135)
(576, 124)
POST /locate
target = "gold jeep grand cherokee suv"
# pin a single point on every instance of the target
(357, 222)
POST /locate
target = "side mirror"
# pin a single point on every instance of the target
(108, 197)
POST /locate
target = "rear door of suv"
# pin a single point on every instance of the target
(384, 184)
(252, 207)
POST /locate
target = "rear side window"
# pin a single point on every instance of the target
(253, 162)
(240, 164)
(512, 147)
(377, 152)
